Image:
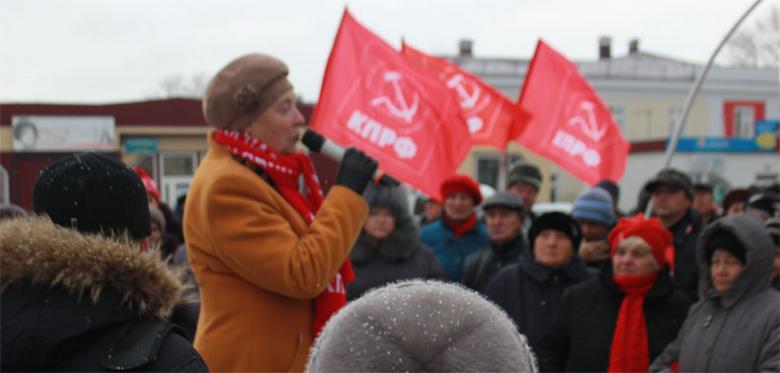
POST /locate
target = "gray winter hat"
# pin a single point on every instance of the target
(524, 172)
(505, 200)
(421, 326)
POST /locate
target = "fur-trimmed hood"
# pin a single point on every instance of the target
(400, 245)
(403, 242)
(35, 251)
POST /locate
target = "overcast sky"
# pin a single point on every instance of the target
(115, 51)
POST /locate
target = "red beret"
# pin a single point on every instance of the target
(464, 184)
(650, 230)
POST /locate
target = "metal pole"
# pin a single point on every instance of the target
(503, 168)
(670, 148)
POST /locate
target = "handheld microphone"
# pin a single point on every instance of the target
(319, 144)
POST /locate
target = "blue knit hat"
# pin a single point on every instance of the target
(594, 205)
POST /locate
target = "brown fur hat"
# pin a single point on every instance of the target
(244, 89)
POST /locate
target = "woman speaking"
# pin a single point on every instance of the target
(269, 251)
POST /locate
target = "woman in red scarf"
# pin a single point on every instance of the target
(621, 320)
(269, 251)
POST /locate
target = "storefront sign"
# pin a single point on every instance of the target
(63, 133)
(140, 145)
(764, 140)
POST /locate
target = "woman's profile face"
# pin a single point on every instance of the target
(280, 125)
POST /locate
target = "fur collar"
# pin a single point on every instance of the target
(38, 251)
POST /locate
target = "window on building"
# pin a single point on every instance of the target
(642, 124)
(739, 118)
(149, 163)
(674, 116)
(618, 116)
(489, 166)
(176, 172)
(744, 122)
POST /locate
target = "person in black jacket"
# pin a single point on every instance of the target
(78, 291)
(504, 221)
(622, 319)
(531, 290)
(672, 198)
(389, 247)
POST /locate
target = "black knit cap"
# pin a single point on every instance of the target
(93, 193)
(557, 221)
(725, 240)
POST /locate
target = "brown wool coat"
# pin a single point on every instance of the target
(259, 265)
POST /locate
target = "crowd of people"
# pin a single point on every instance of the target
(257, 263)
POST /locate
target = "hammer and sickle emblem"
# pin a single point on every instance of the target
(399, 108)
(588, 124)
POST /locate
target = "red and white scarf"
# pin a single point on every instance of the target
(285, 171)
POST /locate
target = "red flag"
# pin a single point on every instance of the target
(489, 114)
(569, 123)
(376, 100)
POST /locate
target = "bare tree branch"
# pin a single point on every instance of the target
(758, 45)
(177, 85)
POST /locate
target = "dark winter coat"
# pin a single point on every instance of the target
(531, 293)
(738, 331)
(686, 268)
(481, 266)
(450, 250)
(185, 315)
(73, 302)
(400, 256)
(580, 338)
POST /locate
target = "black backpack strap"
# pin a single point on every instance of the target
(139, 345)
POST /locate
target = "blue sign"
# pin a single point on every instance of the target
(142, 145)
(765, 140)
(722, 145)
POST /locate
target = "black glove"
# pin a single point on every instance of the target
(356, 170)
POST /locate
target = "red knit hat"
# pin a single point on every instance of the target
(149, 184)
(650, 230)
(461, 183)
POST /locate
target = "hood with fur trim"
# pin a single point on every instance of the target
(403, 242)
(37, 252)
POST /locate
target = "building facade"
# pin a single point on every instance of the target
(645, 93)
(167, 138)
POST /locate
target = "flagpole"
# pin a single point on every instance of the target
(670, 148)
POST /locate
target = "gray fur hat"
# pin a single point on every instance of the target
(421, 326)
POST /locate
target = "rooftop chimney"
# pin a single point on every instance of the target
(633, 46)
(605, 45)
(465, 47)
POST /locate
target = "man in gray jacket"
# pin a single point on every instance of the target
(736, 324)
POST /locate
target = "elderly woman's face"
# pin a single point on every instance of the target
(724, 270)
(633, 257)
(280, 125)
